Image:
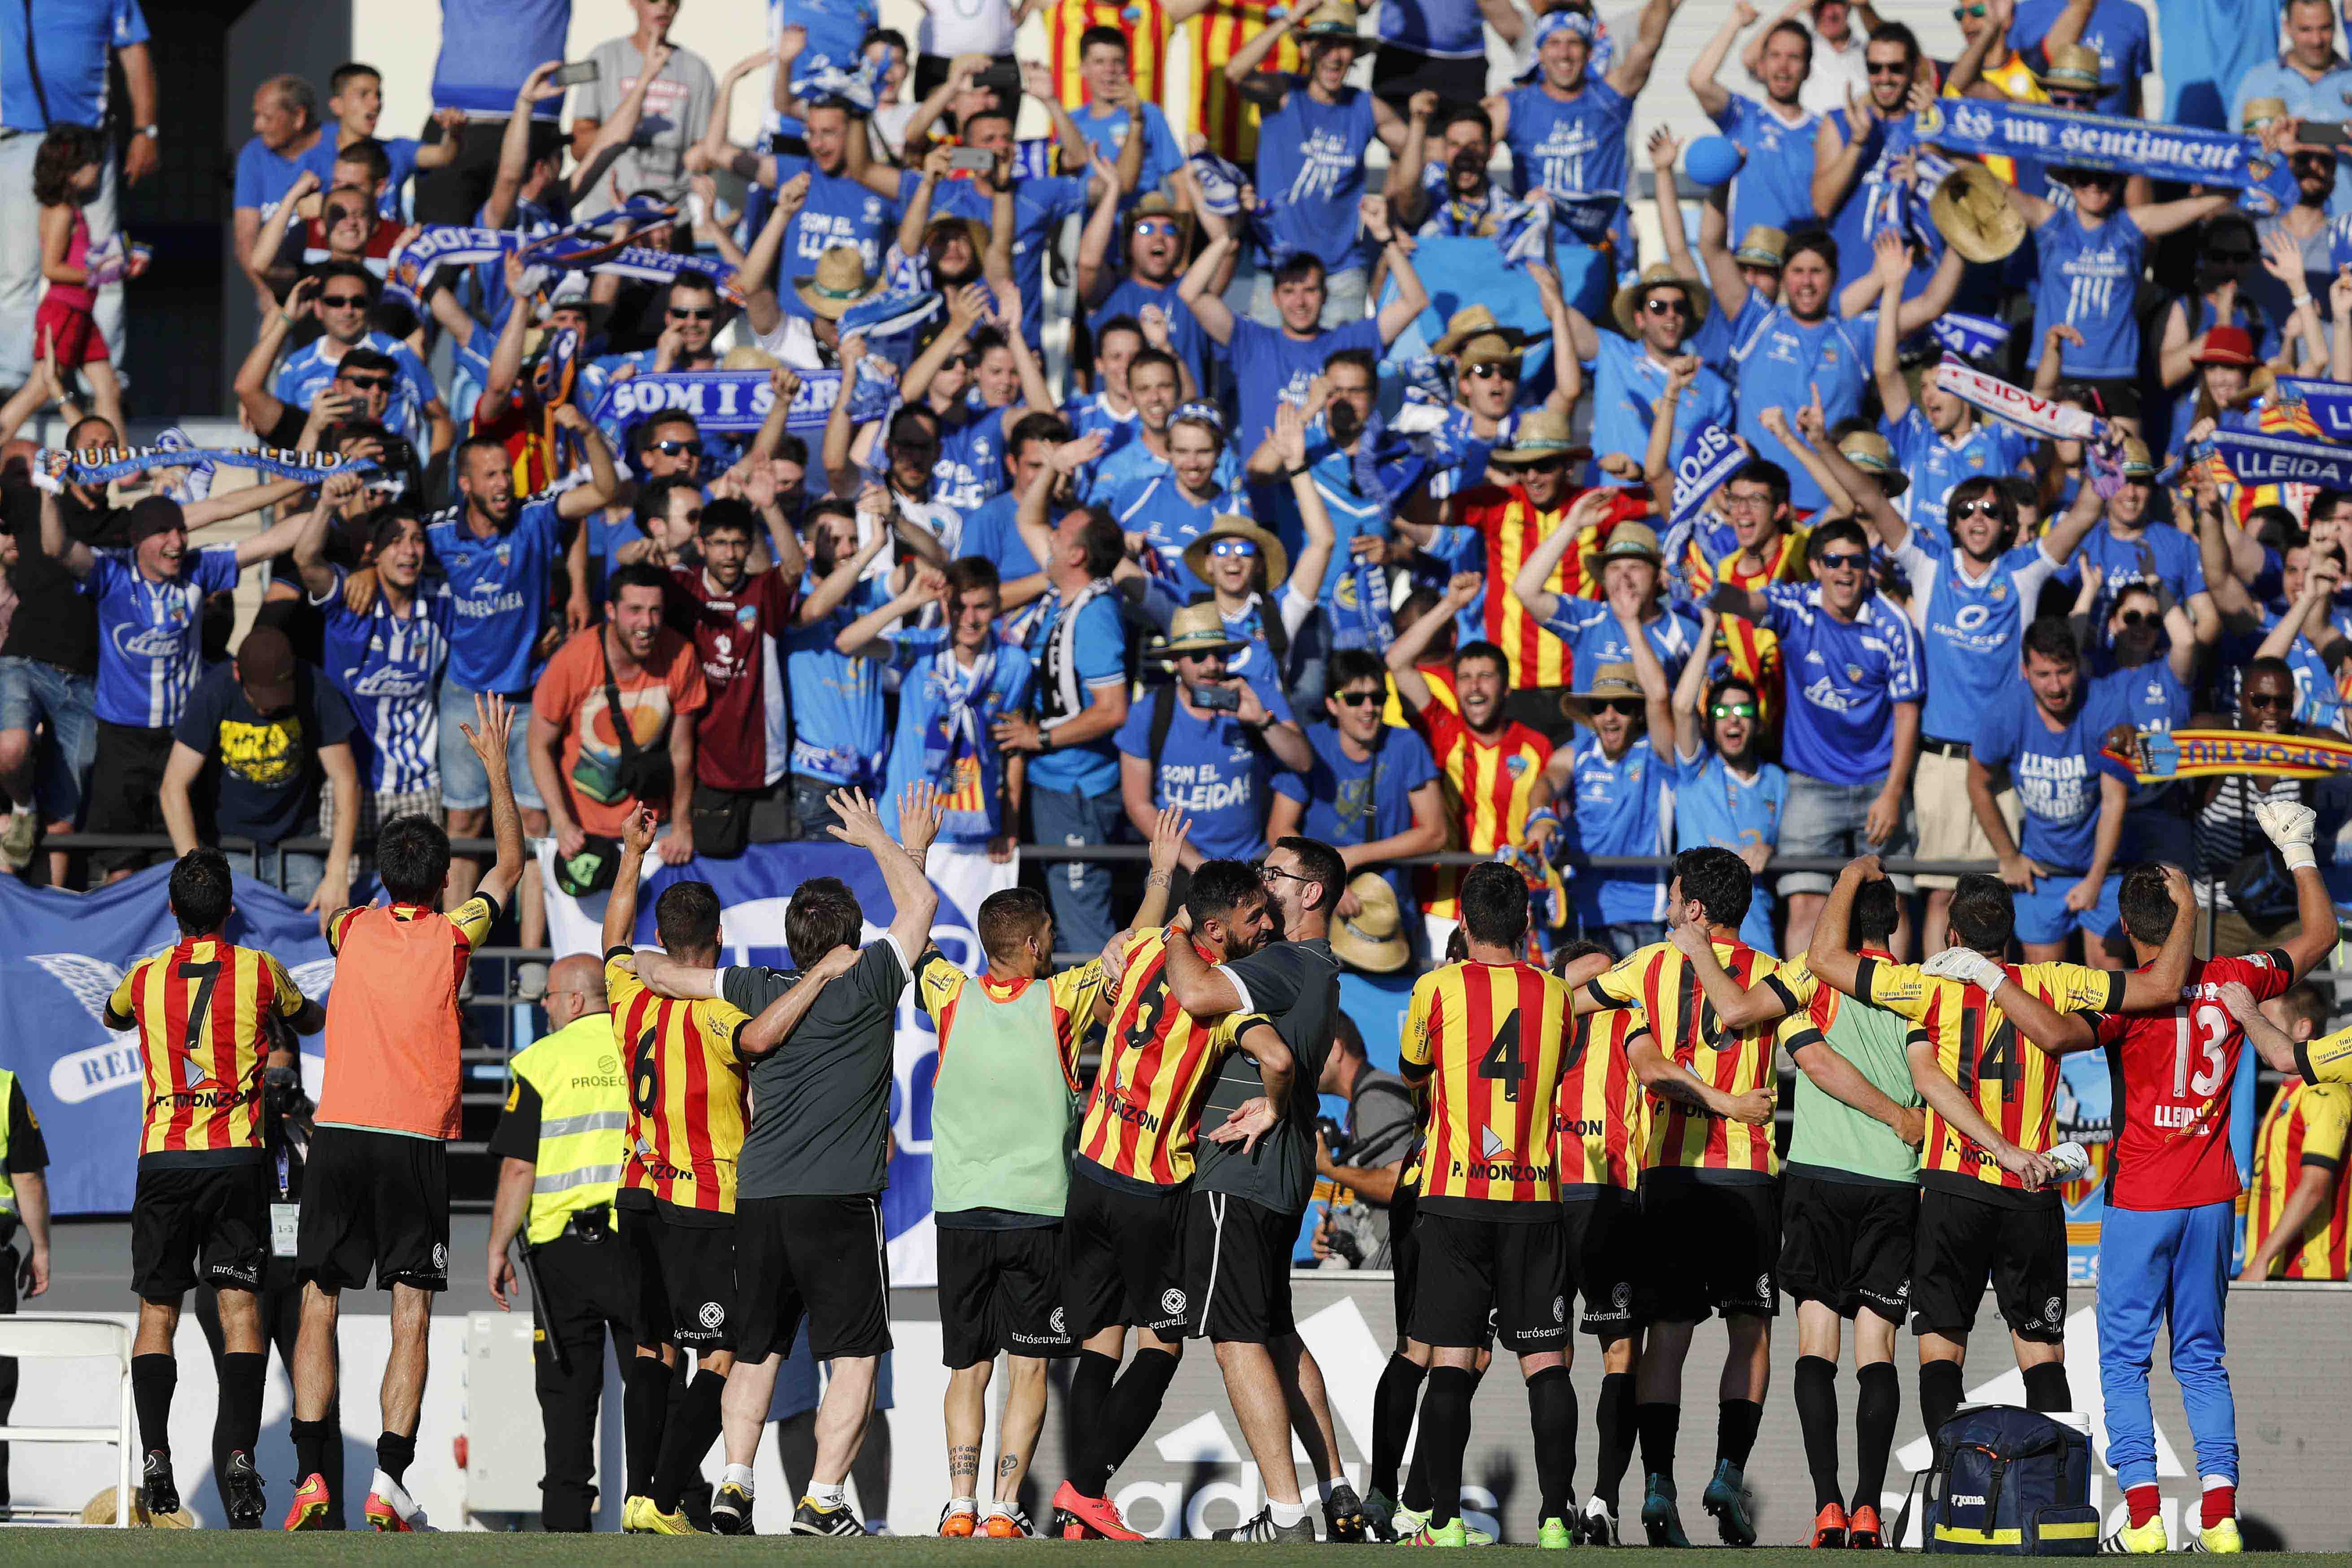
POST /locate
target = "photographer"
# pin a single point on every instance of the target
(1368, 1156)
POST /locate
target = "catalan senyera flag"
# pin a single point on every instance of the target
(1219, 112)
(1143, 22)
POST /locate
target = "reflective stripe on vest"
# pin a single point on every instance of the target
(583, 1118)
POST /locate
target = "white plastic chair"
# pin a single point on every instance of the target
(78, 1339)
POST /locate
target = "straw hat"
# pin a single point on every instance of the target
(839, 281)
(2261, 111)
(99, 1510)
(1762, 246)
(1971, 210)
(1627, 307)
(1195, 631)
(1373, 939)
(1631, 541)
(1333, 18)
(1869, 451)
(1231, 526)
(1486, 348)
(2137, 461)
(1469, 324)
(1542, 433)
(2073, 66)
(1611, 683)
(748, 356)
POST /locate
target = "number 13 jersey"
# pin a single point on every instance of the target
(1491, 1037)
(1661, 982)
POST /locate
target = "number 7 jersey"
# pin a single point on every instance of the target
(1492, 1036)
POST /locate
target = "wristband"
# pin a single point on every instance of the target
(2297, 857)
(1045, 740)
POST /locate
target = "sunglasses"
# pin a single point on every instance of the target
(2135, 618)
(1732, 711)
(1667, 307)
(700, 313)
(1962, 13)
(342, 215)
(1623, 706)
(676, 449)
(367, 382)
(1983, 506)
(1159, 226)
(2277, 700)
(343, 301)
(1358, 698)
(1889, 68)
(1843, 560)
(2061, 99)
(1247, 547)
(964, 362)
(1544, 465)
(1492, 370)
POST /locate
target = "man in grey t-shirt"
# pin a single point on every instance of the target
(808, 1216)
(1255, 1175)
(679, 105)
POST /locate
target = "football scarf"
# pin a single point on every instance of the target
(2111, 145)
(54, 467)
(2161, 755)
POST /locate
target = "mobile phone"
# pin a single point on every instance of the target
(1002, 76)
(1217, 699)
(970, 160)
(574, 74)
(2321, 134)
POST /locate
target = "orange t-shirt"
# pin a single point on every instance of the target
(570, 696)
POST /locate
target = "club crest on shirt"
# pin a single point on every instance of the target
(1515, 766)
(1853, 672)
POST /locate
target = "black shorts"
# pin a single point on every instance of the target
(1963, 1241)
(1123, 1259)
(1602, 1226)
(683, 1279)
(1399, 73)
(194, 1224)
(1848, 1244)
(373, 1202)
(126, 790)
(1002, 1290)
(1715, 1246)
(824, 1255)
(1238, 1257)
(1404, 1255)
(1515, 1269)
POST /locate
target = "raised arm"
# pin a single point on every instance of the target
(913, 899)
(863, 637)
(2158, 983)
(514, 147)
(1245, 61)
(1712, 95)
(1402, 186)
(1096, 280)
(1632, 72)
(2270, 1041)
(310, 540)
(1199, 289)
(1893, 262)
(2157, 219)
(1831, 957)
(493, 722)
(1723, 274)
(1288, 440)
(621, 904)
(1411, 298)
(1541, 562)
(261, 406)
(1568, 373)
(1412, 642)
(1690, 690)
(841, 470)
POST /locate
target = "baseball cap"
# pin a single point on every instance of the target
(153, 515)
(265, 668)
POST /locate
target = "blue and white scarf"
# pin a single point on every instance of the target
(2110, 144)
(1711, 456)
(2329, 403)
(2258, 459)
(954, 734)
(736, 402)
(56, 466)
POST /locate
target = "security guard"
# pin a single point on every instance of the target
(24, 1202)
(561, 1137)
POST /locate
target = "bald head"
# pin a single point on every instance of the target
(576, 989)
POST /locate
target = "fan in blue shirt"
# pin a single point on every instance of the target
(1153, 236)
(1217, 762)
(1374, 793)
(1726, 796)
(2117, 29)
(1938, 439)
(1775, 182)
(1567, 129)
(1599, 631)
(1173, 509)
(2130, 547)
(1039, 209)
(2152, 655)
(1611, 788)
(2089, 260)
(387, 659)
(1632, 367)
(2046, 734)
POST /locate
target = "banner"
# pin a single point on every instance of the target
(1709, 456)
(2258, 459)
(754, 890)
(61, 955)
(1970, 337)
(2329, 404)
(2042, 416)
(2109, 143)
(103, 465)
(2172, 754)
(736, 402)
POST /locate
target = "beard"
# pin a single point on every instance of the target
(1345, 424)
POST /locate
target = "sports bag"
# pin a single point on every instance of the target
(2008, 1482)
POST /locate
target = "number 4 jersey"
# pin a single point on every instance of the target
(1491, 1037)
(2175, 1072)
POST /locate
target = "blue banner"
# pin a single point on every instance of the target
(2330, 403)
(2258, 459)
(2102, 142)
(1970, 337)
(1708, 458)
(61, 955)
(736, 402)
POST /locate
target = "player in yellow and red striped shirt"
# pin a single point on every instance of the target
(2299, 1216)
(204, 1008)
(1493, 766)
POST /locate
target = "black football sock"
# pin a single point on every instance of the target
(2045, 1387)
(1393, 1401)
(1940, 1393)
(1658, 1425)
(393, 1454)
(1817, 1419)
(693, 1426)
(1133, 1406)
(152, 1379)
(1090, 1386)
(1551, 1416)
(1876, 1402)
(1615, 1424)
(644, 1409)
(1444, 1433)
(310, 1441)
(237, 1428)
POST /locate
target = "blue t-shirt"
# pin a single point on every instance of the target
(74, 44)
(388, 669)
(1088, 412)
(1159, 510)
(1190, 342)
(1270, 366)
(1844, 678)
(1120, 477)
(1571, 147)
(1992, 450)
(1850, 223)
(1310, 166)
(1447, 30)
(150, 635)
(263, 177)
(1616, 808)
(929, 729)
(837, 729)
(2147, 697)
(1782, 359)
(1108, 130)
(2056, 773)
(1215, 768)
(2162, 553)
(839, 211)
(1627, 384)
(2117, 29)
(836, 28)
(1348, 801)
(1714, 808)
(2089, 279)
(1039, 208)
(1589, 629)
(487, 52)
(499, 585)
(1098, 661)
(401, 152)
(970, 468)
(305, 373)
(1970, 628)
(993, 531)
(1775, 185)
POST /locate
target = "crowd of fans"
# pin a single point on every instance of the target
(1271, 551)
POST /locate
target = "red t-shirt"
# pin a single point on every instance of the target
(730, 633)
(2175, 1070)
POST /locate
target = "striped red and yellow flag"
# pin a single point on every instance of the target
(1219, 112)
(1143, 22)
